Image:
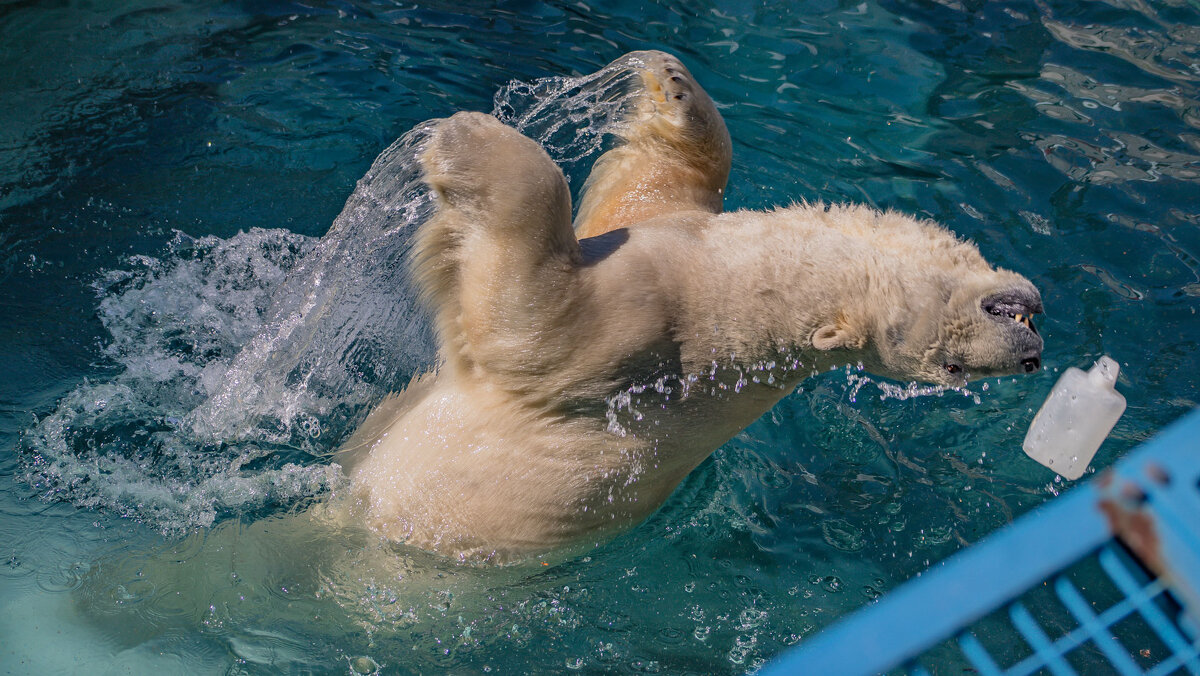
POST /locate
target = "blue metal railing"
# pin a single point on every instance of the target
(1139, 521)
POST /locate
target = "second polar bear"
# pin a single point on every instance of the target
(585, 370)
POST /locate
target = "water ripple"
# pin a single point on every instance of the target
(1171, 52)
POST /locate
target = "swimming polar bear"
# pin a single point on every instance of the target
(585, 371)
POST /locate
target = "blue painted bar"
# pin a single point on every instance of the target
(1116, 653)
(950, 596)
(1148, 610)
(1189, 660)
(980, 658)
(1044, 649)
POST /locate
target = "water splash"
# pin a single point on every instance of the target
(240, 363)
(857, 381)
(176, 323)
(235, 356)
(571, 117)
(344, 327)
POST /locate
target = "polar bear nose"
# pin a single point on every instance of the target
(1031, 364)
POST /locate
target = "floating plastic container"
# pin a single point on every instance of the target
(1076, 418)
(1103, 579)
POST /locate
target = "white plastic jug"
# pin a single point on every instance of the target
(1075, 419)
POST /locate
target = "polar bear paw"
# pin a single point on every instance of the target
(669, 83)
(671, 94)
(674, 153)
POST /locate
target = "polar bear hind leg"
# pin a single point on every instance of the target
(673, 155)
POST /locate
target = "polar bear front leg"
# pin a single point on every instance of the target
(495, 263)
(674, 153)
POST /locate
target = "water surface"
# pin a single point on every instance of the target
(168, 401)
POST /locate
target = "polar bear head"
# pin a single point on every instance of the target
(920, 303)
(973, 325)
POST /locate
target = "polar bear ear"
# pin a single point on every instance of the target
(835, 337)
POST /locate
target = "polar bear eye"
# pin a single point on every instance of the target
(953, 368)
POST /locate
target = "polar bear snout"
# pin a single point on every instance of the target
(1012, 311)
(1031, 355)
(1018, 304)
(987, 331)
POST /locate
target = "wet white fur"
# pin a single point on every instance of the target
(527, 440)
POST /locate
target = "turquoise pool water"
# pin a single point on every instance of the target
(170, 391)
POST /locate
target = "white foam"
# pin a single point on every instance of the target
(241, 362)
(176, 323)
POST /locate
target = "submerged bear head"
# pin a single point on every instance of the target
(921, 304)
(975, 326)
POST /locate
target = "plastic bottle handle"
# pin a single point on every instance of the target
(1104, 373)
